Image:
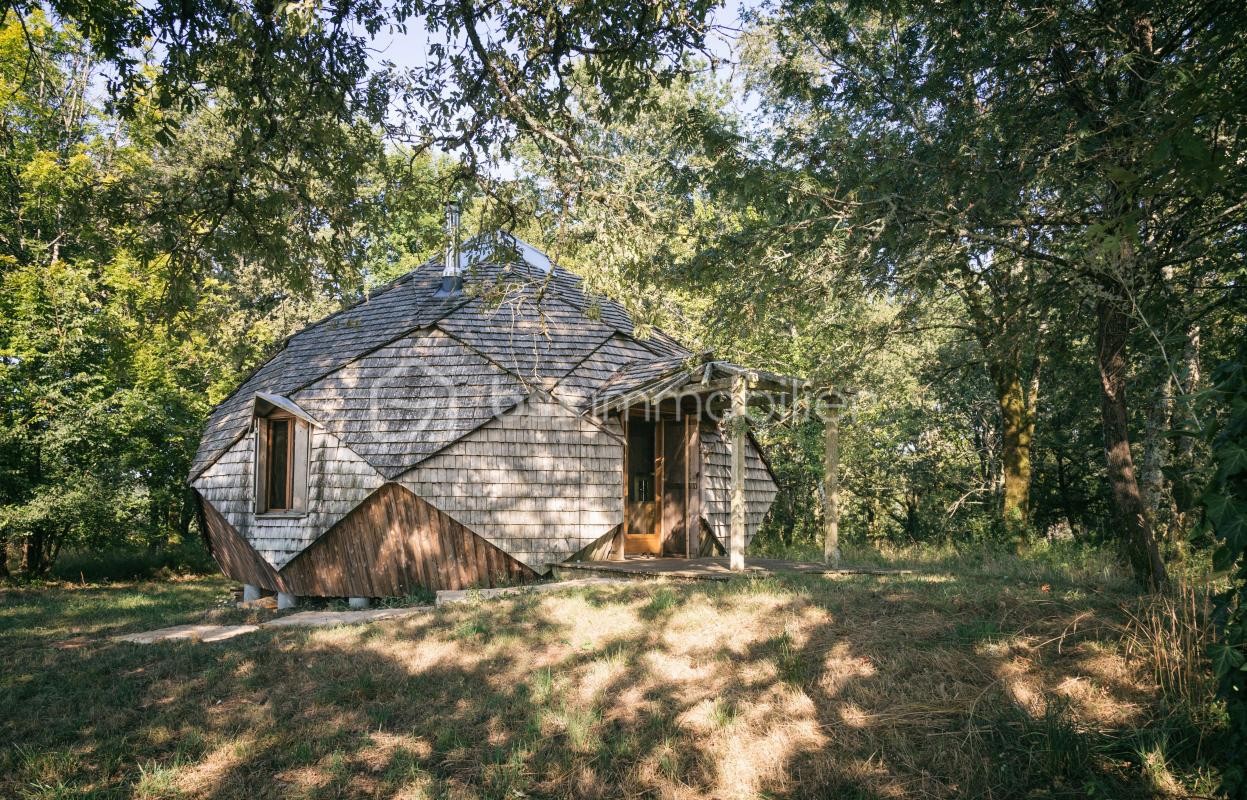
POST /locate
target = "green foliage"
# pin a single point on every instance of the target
(937, 225)
(120, 564)
(1225, 510)
(141, 274)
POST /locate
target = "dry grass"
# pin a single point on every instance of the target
(863, 686)
(1171, 633)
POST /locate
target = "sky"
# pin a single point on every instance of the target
(410, 48)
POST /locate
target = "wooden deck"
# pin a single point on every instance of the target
(703, 569)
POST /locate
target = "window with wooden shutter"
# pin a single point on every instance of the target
(281, 458)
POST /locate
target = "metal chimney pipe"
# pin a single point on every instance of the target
(452, 277)
(452, 239)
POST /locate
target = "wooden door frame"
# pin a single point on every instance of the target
(626, 477)
(691, 433)
(692, 483)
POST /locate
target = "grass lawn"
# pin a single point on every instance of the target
(985, 683)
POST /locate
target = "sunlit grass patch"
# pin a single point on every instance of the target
(932, 684)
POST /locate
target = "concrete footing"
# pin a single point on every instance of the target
(285, 600)
(250, 593)
(357, 603)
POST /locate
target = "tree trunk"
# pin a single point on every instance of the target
(1156, 454)
(1138, 539)
(1186, 422)
(831, 488)
(1017, 436)
(32, 557)
(1062, 482)
(1190, 382)
(4, 554)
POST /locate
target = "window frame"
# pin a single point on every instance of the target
(298, 464)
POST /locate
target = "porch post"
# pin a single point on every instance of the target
(619, 543)
(831, 488)
(739, 424)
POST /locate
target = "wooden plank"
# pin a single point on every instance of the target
(660, 475)
(236, 557)
(452, 554)
(361, 555)
(463, 555)
(435, 560)
(480, 561)
(621, 550)
(399, 533)
(415, 532)
(738, 425)
(261, 466)
(675, 487)
(467, 556)
(498, 572)
(692, 463)
(444, 554)
(394, 552)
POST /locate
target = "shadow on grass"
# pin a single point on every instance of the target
(794, 687)
(35, 615)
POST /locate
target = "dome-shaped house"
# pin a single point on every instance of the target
(469, 424)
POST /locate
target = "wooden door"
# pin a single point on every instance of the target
(674, 506)
(642, 533)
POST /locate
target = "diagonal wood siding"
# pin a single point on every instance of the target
(393, 543)
(238, 559)
(338, 479)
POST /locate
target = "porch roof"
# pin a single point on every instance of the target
(700, 376)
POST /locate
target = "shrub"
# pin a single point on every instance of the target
(1225, 512)
(126, 563)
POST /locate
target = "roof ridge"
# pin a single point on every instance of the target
(523, 381)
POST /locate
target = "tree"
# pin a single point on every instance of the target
(1097, 140)
(1225, 514)
(141, 276)
(674, 219)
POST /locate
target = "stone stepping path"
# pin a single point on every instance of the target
(194, 633)
(303, 619)
(449, 597)
(324, 619)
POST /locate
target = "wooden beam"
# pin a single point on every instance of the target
(739, 424)
(619, 552)
(831, 488)
(660, 485)
(692, 487)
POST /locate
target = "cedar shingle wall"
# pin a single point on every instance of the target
(237, 558)
(538, 482)
(337, 481)
(409, 399)
(760, 490)
(406, 304)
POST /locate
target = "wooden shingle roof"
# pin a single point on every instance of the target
(404, 373)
